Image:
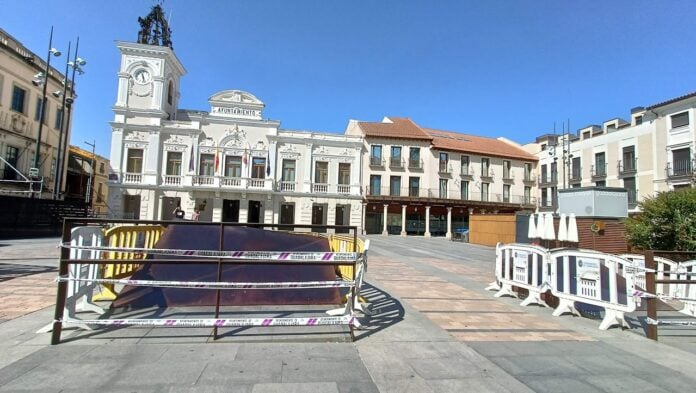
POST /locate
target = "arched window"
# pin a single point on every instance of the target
(170, 92)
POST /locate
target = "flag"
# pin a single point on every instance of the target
(217, 158)
(191, 167)
(245, 156)
(268, 166)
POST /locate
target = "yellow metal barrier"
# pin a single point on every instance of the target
(141, 236)
(344, 243)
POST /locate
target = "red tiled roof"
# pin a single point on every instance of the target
(401, 128)
(447, 140)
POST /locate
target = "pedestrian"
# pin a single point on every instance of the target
(196, 214)
(178, 213)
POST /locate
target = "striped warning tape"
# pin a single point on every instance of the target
(676, 322)
(639, 293)
(212, 322)
(235, 255)
(216, 285)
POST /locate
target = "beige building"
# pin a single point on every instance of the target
(87, 179)
(20, 111)
(651, 152)
(427, 182)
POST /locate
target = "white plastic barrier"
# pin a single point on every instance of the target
(595, 278)
(495, 285)
(80, 291)
(666, 269)
(359, 278)
(687, 292)
(524, 266)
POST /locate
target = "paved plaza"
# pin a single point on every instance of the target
(435, 329)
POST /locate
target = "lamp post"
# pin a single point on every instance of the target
(56, 177)
(90, 180)
(43, 79)
(76, 66)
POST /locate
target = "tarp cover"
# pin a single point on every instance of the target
(207, 237)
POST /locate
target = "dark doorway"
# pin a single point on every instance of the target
(230, 210)
(287, 213)
(319, 217)
(168, 206)
(131, 206)
(342, 217)
(254, 212)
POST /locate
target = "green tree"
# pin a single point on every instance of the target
(667, 222)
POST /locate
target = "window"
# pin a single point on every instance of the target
(543, 147)
(554, 172)
(376, 155)
(507, 166)
(484, 191)
(101, 168)
(134, 162)
(443, 188)
(681, 160)
(414, 157)
(37, 112)
(630, 186)
(600, 164)
(680, 120)
(258, 167)
(527, 171)
(506, 193)
(527, 195)
(444, 159)
(59, 119)
(465, 165)
(344, 173)
(19, 96)
(544, 197)
(207, 165)
(287, 213)
(586, 135)
(413, 186)
(575, 169)
(170, 92)
(629, 159)
(639, 120)
(321, 172)
(601, 183)
(464, 190)
(100, 195)
(288, 170)
(395, 186)
(395, 156)
(11, 156)
(174, 163)
(233, 166)
(485, 165)
(375, 184)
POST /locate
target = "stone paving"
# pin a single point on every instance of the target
(435, 329)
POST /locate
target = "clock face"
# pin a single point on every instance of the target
(141, 76)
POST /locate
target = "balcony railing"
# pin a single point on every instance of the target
(320, 188)
(395, 162)
(508, 176)
(415, 163)
(287, 186)
(575, 175)
(451, 194)
(203, 180)
(133, 178)
(260, 184)
(467, 172)
(376, 161)
(632, 198)
(599, 171)
(487, 173)
(343, 188)
(627, 167)
(444, 168)
(547, 179)
(679, 169)
(171, 180)
(529, 178)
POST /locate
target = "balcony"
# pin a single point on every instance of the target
(171, 180)
(343, 188)
(627, 168)
(632, 199)
(203, 180)
(508, 176)
(132, 178)
(320, 188)
(377, 162)
(487, 173)
(679, 170)
(529, 178)
(396, 163)
(548, 179)
(575, 175)
(599, 171)
(444, 168)
(231, 182)
(466, 172)
(450, 194)
(288, 186)
(415, 163)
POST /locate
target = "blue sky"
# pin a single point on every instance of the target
(492, 68)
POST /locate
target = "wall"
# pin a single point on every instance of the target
(488, 230)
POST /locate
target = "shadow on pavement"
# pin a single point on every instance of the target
(9, 271)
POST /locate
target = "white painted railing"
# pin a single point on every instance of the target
(320, 188)
(171, 180)
(203, 180)
(133, 178)
(287, 186)
(231, 182)
(343, 189)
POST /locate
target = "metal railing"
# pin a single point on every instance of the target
(444, 167)
(395, 162)
(487, 172)
(551, 178)
(450, 193)
(376, 161)
(508, 175)
(466, 171)
(528, 178)
(415, 163)
(627, 167)
(575, 175)
(598, 171)
(682, 168)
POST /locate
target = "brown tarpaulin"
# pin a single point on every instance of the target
(207, 237)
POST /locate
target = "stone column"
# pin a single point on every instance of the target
(364, 211)
(427, 222)
(403, 220)
(449, 223)
(384, 228)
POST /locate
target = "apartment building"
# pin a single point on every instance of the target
(87, 179)
(227, 164)
(422, 181)
(651, 152)
(21, 92)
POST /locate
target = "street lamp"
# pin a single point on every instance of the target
(43, 79)
(76, 66)
(90, 181)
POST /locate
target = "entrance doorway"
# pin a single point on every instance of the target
(230, 210)
(168, 206)
(287, 213)
(342, 217)
(254, 212)
(319, 217)
(131, 206)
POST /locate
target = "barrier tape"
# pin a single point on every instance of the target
(676, 322)
(634, 269)
(235, 255)
(643, 294)
(216, 285)
(212, 322)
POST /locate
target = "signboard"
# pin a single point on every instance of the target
(520, 258)
(588, 268)
(33, 172)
